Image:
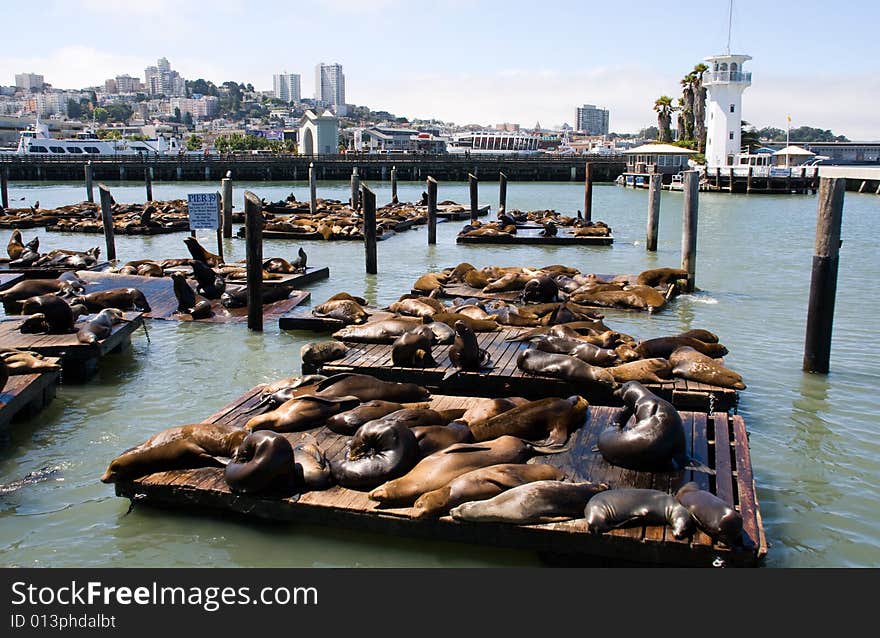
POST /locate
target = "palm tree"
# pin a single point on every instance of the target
(700, 107)
(687, 93)
(664, 108)
(682, 121)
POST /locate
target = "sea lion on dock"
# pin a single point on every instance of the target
(703, 335)
(119, 298)
(547, 422)
(630, 507)
(433, 438)
(387, 330)
(465, 352)
(264, 462)
(55, 314)
(416, 417)
(484, 409)
(367, 388)
(299, 264)
(181, 447)
(322, 352)
(186, 296)
(311, 469)
(481, 484)
(549, 230)
(655, 442)
(565, 367)
(644, 371)
(541, 289)
(278, 265)
(511, 282)
(712, 515)
(345, 296)
(345, 310)
(199, 253)
(349, 421)
(237, 297)
(451, 318)
(586, 352)
(210, 284)
(35, 287)
(100, 327)
(665, 346)
(438, 469)
(660, 276)
(202, 310)
(378, 452)
(15, 246)
(412, 349)
(25, 362)
(301, 413)
(689, 364)
(412, 308)
(429, 282)
(530, 503)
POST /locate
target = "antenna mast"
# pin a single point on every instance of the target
(729, 25)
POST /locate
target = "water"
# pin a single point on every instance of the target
(813, 438)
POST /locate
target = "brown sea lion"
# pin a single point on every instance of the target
(119, 298)
(100, 327)
(586, 352)
(379, 451)
(345, 310)
(473, 311)
(465, 353)
(481, 484)
(429, 282)
(184, 446)
(644, 371)
(202, 310)
(476, 325)
(384, 331)
(56, 313)
(548, 421)
(349, 421)
(24, 362)
(433, 438)
(322, 352)
(689, 364)
(529, 503)
(703, 335)
(541, 289)
(459, 272)
(367, 388)
(484, 409)
(565, 367)
(311, 469)
(476, 279)
(264, 462)
(301, 413)
(510, 282)
(665, 346)
(35, 287)
(712, 515)
(412, 349)
(412, 308)
(630, 507)
(198, 252)
(15, 246)
(339, 296)
(186, 296)
(660, 276)
(210, 284)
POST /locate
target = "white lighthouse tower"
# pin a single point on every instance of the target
(725, 82)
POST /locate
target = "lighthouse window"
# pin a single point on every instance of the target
(731, 135)
(733, 108)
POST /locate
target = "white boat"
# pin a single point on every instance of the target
(37, 141)
(493, 143)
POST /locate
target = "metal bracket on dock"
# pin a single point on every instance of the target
(134, 499)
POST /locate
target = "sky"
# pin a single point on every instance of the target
(476, 61)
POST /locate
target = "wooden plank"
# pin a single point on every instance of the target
(745, 481)
(723, 471)
(27, 394)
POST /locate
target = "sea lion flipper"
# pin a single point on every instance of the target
(466, 448)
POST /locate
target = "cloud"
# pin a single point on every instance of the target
(74, 67)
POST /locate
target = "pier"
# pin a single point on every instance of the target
(24, 395)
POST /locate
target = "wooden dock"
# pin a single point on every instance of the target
(718, 440)
(532, 237)
(302, 319)
(43, 272)
(79, 361)
(451, 212)
(506, 379)
(24, 395)
(160, 295)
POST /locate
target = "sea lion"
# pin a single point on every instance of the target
(586, 352)
(322, 352)
(510, 282)
(465, 353)
(299, 264)
(15, 246)
(339, 296)
(184, 446)
(429, 282)
(548, 421)
(416, 417)
(473, 311)
(301, 413)
(412, 308)
(565, 367)
(438, 469)
(541, 289)
(349, 421)
(278, 265)
(665, 346)
(644, 371)
(655, 442)
(199, 253)
(481, 484)
(703, 335)
(660, 276)
(367, 388)
(237, 297)
(379, 451)
(412, 349)
(549, 230)
(210, 284)
(35, 287)
(689, 364)
(100, 327)
(433, 438)
(186, 296)
(385, 331)
(345, 310)
(451, 318)
(119, 298)
(263, 462)
(24, 362)
(311, 468)
(56, 313)
(530, 503)
(484, 409)
(712, 515)
(4, 374)
(629, 507)
(202, 310)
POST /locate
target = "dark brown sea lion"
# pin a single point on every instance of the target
(379, 451)
(635, 507)
(263, 462)
(665, 346)
(210, 284)
(100, 327)
(184, 446)
(301, 413)
(349, 421)
(565, 367)
(35, 287)
(531, 503)
(55, 311)
(655, 442)
(345, 310)
(549, 421)
(661, 276)
(481, 484)
(712, 515)
(299, 264)
(311, 468)
(703, 335)
(237, 297)
(541, 289)
(433, 438)
(199, 253)
(322, 352)
(412, 349)
(586, 352)
(202, 310)
(15, 246)
(644, 371)
(438, 469)
(465, 352)
(367, 388)
(186, 296)
(119, 298)
(416, 417)
(689, 364)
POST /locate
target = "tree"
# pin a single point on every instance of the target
(202, 86)
(74, 109)
(177, 114)
(119, 112)
(188, 120)
(194, 143)
(700, 107)
(108, 134)
(663, 107)
(687, 106)
(101, 115)
(681, 127)
(650, 133)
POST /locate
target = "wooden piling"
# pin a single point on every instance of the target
(368, 198)
(689, 226)
(148, 183)
(502, 193)
(432, 211)
(718, 178)
(394, 199)
(90, 193)
(219, 227)
(823, 284)
(749, 179)
(253, 219)
(654, 190)
(107, 218)
(588, 191)
(313, 189)
(473, 183)
(4, 187)
(355, 189)
(226, 187)
(732, 180)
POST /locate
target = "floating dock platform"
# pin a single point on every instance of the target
(718, 440)
(24, 395)
(43, 272)
(303, 319)
(532, 237)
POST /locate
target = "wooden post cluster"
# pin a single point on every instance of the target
(90, 193)
(689, 226)
(148, 183)
(4, 187)
(473, 183)
(655, 188)
(823, 283)
(432, 211)
(253, 221)
(313, 189)
(394, 199)
(226, 197)
(588, 191)
(502, 193)
(355, 190)
(368, 198)
(107, 218)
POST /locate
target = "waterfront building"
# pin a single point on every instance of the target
(665, 159)
(318, 134)
(725, 82)
(387, 139)
(330, 87)
(28, 81)
(592, 120)
(287, 87)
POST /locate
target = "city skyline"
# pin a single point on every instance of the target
(578, 54)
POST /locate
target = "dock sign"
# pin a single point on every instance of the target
(203, 211)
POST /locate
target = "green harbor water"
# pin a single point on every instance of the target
(813, 438)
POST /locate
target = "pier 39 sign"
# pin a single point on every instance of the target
(204, 211)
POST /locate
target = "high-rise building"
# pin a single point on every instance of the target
(330, 87)
(161, 80)
(110, 86)
(591, 120)
(287, 87)
(127, 84)
(28, 81)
